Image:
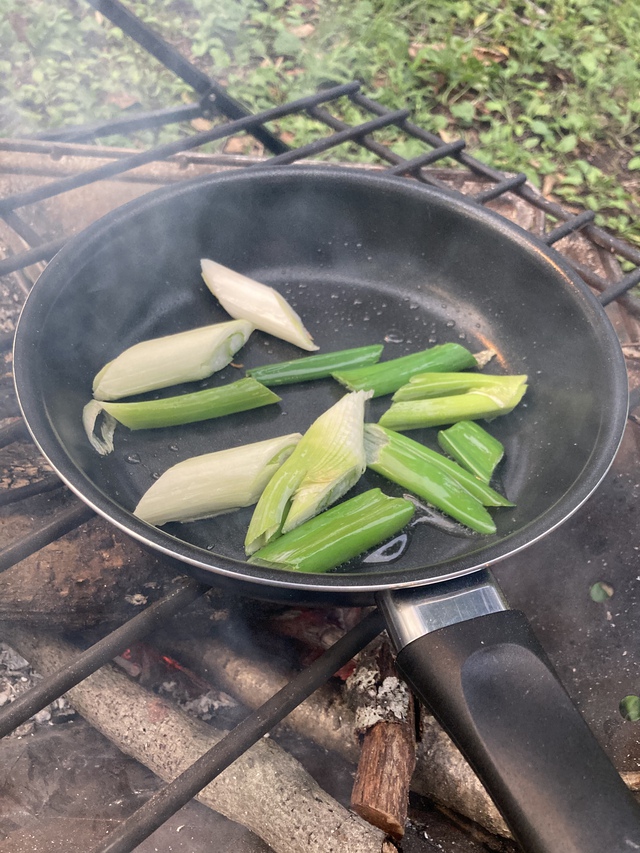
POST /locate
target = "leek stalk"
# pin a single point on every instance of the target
(326, 463)
(171, 360)
(315, 366)
(432, 477)
(388, 376)
(214, 483)
(472, 447)
(262, 306)
(468, 397)
(202, 405)
(338, 534)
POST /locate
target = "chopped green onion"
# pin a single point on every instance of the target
(337, 535)
(315, 366)
(432, 477)
(214, 483)
(487, 397)
(171, 360)
(472, 447)
(327, 462)
(481, 491)
(425, 386)
(238, 396)
(388, 376)
(262, 306)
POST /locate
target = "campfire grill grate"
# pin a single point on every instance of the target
(232, 117)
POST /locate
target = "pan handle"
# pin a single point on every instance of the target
(481, 671)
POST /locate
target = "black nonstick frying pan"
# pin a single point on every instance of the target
(366, 258)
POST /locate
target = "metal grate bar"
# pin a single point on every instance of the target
(616, 290)
(16, 431)
(526, 192)
(22, 228)
(353, 134)
(409, 167)
(174, 61)
(172, 797)
(128, 124)
(569, 227)
(161, 152)
(53, 686)
(40, 487)
(509, 184)
(153, 44)
(62, 522)
(377, 148)
(42, 252)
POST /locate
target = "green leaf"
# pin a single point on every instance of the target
(630, 708)
(465, 111)
(286, 44)
(567, 144)
(634, 164)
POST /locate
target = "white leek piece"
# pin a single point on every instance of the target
(170, 360)
(327, 462)
(215, 483)
(262, 306)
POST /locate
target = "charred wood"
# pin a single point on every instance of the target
(266, 789)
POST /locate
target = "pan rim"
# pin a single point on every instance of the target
(208, 563)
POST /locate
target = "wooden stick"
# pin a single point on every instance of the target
(266, 789)
(381, 788)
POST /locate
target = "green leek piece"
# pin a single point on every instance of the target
(337, 535)
(472, 447)
(468, 397)
(315, 366)
(388, 376)
(171, 360)
(327, 462)
(214, 483)
(202, 405)
(262, 306)
(432, 477)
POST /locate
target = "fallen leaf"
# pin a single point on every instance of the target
(302, 31)
(237, 145)
(201, 124)
(121, 99)
(487, 55)
(548, 184)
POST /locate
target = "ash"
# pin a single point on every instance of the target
(16, 677)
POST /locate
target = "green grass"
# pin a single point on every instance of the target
(550, 88)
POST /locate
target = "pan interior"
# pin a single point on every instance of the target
(364, 260)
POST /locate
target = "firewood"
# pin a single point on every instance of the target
(85, 578)
(441, 774)
(266, 789)
(385, 721)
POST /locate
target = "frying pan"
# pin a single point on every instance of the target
(365, 258)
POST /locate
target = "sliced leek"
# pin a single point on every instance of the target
(326, 463)
(471, 397)
(171, 360)
(262, 306)
(472, 447)
(418, 469)
(214, 483)
(202, 405)
(337, 535)
(315, 366)
(387, 376)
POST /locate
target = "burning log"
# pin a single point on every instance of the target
(266, 790)
(385, 720)
(441, 774)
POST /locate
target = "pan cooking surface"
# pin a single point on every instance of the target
(363, 260)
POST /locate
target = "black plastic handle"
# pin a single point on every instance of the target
(491, 686)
